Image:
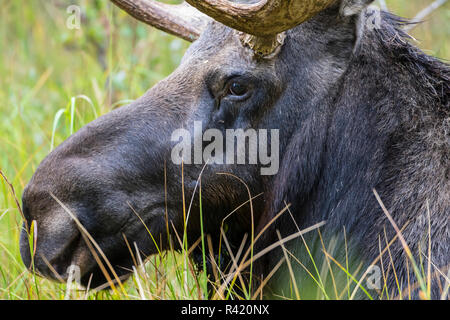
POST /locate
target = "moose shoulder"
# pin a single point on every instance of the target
(362, 120)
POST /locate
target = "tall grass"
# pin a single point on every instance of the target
(54, 80)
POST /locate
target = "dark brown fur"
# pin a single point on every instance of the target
(358, 109)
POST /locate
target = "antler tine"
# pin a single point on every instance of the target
(263, 23)
(263, 18)
(180, 20)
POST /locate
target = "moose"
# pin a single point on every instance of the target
(363, 118)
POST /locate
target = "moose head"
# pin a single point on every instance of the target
(271, 104)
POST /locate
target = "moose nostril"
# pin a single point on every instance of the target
(28, 204)
(26, 212)
(50, 259)
(62, 261)
(55, 236)
(25, 251)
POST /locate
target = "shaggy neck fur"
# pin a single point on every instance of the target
(388, 131)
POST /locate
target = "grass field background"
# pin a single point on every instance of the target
(47, 70)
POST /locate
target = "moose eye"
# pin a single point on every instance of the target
(238, 89)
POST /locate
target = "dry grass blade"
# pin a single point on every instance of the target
(252, 221)
(319, 284)
(237, 208)
(409, 280)
(235, 259)
(3, 214)
(56, 274)
(392, 264)
(191, 247)
(416, 285)
(197, 183)
(90, 240)
(429, 251)
(266, 250)
(129, 249)
(374, 262)
(402, 240)
(13, 192)
(382, 268)
(266, 280)
(212, 260)
(288, 262)
(145, 226)
(88, 287)
(444, 294)
(350, 275)
(140, 261)
(285, 240)
(332, 246)
(264, 229)
(138, 281)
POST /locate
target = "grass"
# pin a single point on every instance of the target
(54, 80)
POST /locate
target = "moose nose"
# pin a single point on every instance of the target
(51, 262)
(48, 239)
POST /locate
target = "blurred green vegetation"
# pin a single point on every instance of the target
(46, 68)
(433, 34)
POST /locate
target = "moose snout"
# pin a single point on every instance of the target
(79, 196)
(49, 260)
(48, 242)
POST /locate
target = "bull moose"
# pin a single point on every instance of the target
(363, 118)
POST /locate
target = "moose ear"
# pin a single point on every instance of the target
(368, 17)
(353, 7)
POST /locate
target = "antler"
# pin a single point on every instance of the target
(263, 18)
(263, 23)
(180, 20)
